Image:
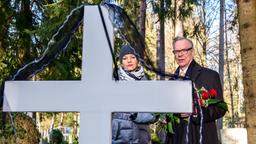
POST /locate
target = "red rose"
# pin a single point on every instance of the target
(213, 93)
(201, 102)
(205, 95)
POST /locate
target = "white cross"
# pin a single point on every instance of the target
(97, 95)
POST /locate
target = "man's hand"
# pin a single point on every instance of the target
(184, 115)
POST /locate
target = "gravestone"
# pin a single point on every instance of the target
(234, 136)
(96, 96)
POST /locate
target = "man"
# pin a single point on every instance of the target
(202, 77)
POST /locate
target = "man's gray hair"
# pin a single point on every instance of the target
(182, 38)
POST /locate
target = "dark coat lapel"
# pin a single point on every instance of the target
(192, 73)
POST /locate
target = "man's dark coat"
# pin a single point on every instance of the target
(202, 77)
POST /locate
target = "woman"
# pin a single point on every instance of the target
(131, 128)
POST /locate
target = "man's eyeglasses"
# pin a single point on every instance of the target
(182, 51)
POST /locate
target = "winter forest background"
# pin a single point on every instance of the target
(223, 32)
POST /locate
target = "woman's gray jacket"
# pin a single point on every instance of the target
(131, 128)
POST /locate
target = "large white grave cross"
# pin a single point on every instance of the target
(97, 95)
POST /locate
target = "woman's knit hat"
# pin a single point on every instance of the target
(127, 49)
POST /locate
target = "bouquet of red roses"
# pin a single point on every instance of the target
(207, 98)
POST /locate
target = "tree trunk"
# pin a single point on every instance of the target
(61, 126)
(52, 122)
(75, 125)
(5, 24)
(201, 34)
(247, 29)
(221, 51)
(38, 122)
(25, 22)
(179, 27)
(229, 79)
(160, 41)
(143, 7)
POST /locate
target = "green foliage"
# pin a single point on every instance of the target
(165, 12)
(166, 121)
(56, 137)
(164, 126)
(219, 104)
(187, 8)
(26, 130)
(132, 9)
(23, 39)
(155, 139)
(75, 139)
(68, 65)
